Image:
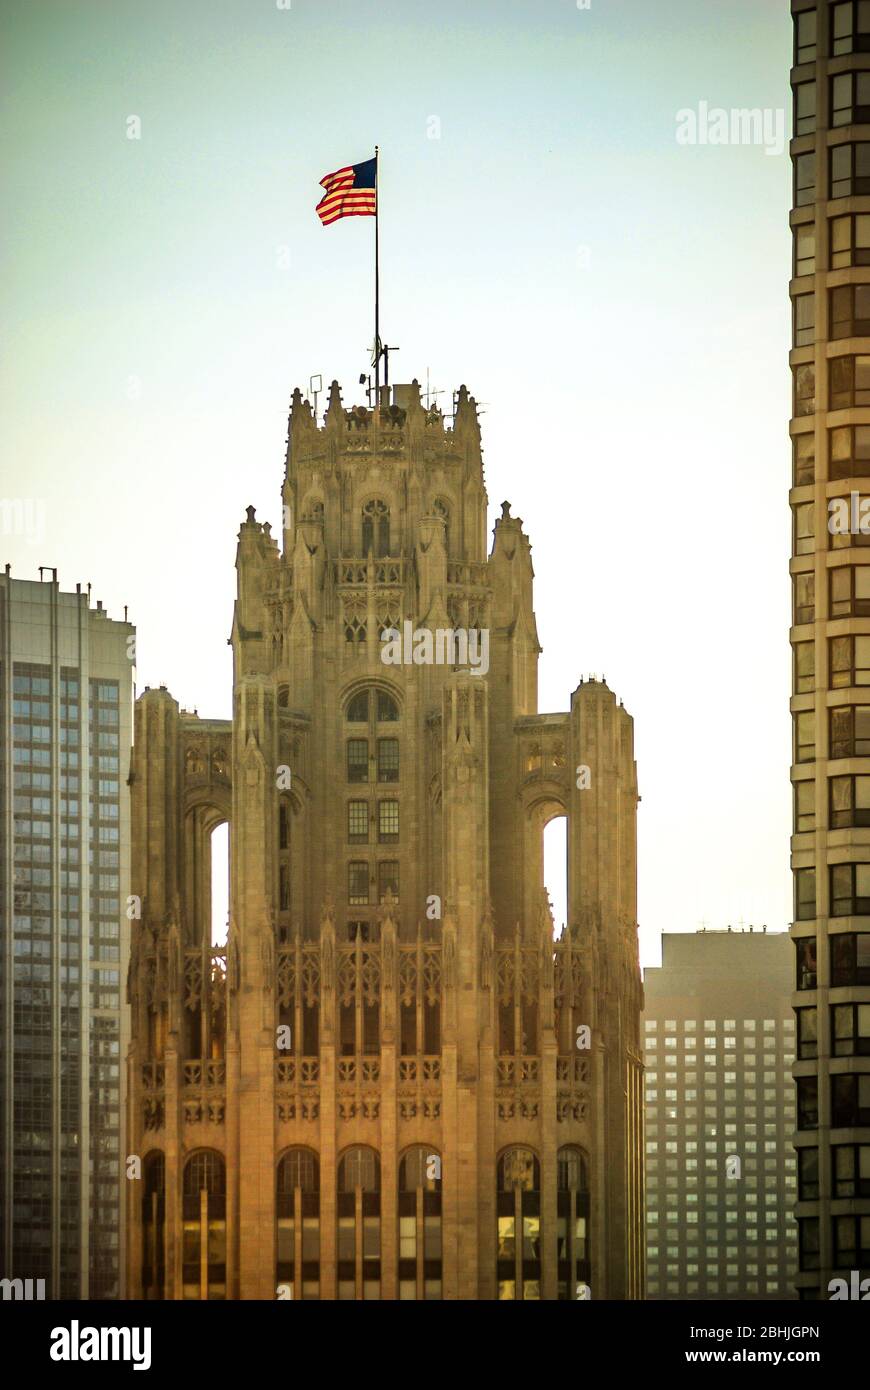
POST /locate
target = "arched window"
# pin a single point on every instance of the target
(298, 1213)
(360, 711)
(420, 1224)
(153, 1227)
(358, 708)
(204, 1253)
(572, 1223)
(519, 1225)
(388, 710)
(376, 528)
(359, 1225)
(441, 509)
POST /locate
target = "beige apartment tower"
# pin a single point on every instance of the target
(393, 1080)
(830, 500)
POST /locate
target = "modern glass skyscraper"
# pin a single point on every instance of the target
(830, 361)
(65, 706)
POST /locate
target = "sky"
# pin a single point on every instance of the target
(616, 300)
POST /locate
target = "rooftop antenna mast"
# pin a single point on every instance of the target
(315, 386)
(385, 351)
(430, 394)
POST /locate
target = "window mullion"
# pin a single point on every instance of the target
(420, 1252)
(358, 1242)
(203, 1244)
(297, 1242)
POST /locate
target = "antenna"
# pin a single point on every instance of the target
(315, 386)
(430, 393)
(385, 353)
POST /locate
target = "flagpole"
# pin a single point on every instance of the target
(377, 294)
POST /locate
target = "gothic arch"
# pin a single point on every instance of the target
(572, 1222)
(205, 808)
(291, 885)
(377, 516)
(204, 1212)
(376, 527)
(358, 1212)
(540, 803)
(154, 1225)
(361, 683)
(419, 1216)
(518, 1208)
(297, 1211)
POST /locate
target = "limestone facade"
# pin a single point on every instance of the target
(392, 1080)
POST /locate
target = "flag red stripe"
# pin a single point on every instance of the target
(339, 173)
(357, 204)
(341, 199)
(351, 195)
(348, 212)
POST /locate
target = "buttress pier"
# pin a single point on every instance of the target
(393, 1079)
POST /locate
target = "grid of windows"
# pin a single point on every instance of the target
(375, 761)
(720, 1175)
(75, 775)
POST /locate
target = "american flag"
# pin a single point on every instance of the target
(350, 192)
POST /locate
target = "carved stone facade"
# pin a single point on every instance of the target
(392, 1080)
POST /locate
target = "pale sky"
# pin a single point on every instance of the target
(617, 300)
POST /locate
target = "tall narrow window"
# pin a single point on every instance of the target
(153, 1226)
(805, 249)
(357, 760)
(420, 1224)
(358, 882)
(359, 1225)
(388, 878)
(572, 1224)
(388, 760)
(376, 528)
(204, 1251)
(358, 822)
(285, 871)
(804, 319)
(806, 960)
(519, 1225)
(298, 1214)
(805, 36)
(388, 822)
(804, 458)
(804, 806)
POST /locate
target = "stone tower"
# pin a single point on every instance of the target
(392, 1081)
